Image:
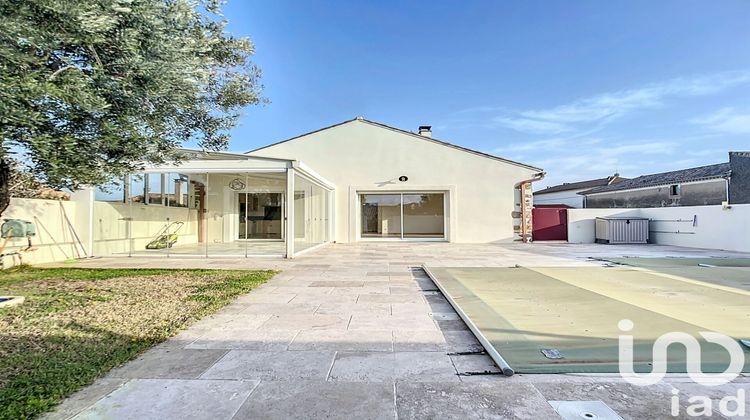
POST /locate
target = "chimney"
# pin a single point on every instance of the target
(425, 130)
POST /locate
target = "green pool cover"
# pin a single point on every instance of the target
(681, 262)
(730, 272)
(575, 311)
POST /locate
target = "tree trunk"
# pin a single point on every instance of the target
(4, 185)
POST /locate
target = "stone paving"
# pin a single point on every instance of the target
(358, 331)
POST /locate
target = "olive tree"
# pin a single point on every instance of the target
(93, 89)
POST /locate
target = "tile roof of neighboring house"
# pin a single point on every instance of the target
(581, 185)
(700, 173)
(399, 130)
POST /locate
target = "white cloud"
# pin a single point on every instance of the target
(632, 151)
(726, 120)
(531, 126)
(527, 146)
(600, 109)
(570, 164)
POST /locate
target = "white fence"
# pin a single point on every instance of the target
(711, 227)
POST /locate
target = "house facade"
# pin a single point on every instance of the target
(723, 183)
(354, 181)
(568, 193)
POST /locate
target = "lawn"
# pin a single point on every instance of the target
(77, 324)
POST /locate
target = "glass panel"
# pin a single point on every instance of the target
(325, 211)
(264, 214)
(112, 192)
(203, 213)
(177, 190)
(154, 191)
(112, 217)
(244, 214)
(310, 214)
(246, 204)
(321, 205)
(180, 234)
(302, 210)
(137, 188)
(148, 223)
(381, 215)
(223, 214)
(424, 215)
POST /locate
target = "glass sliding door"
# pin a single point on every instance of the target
(424, 215)
(413, 215)
(381, 215)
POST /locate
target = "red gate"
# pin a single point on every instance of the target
(550, 223)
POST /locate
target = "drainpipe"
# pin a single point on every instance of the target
(726, 179)
(525, 233)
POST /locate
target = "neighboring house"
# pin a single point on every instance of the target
(354, 181)
(567, 194)
(705, 185)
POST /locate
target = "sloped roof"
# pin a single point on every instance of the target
(581, 185)
(421, 137)
(720, 170)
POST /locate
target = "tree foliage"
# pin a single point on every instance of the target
(25, 184)
(92, 89)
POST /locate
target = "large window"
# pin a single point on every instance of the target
(403, 216)
(424, 215)
(381, 215)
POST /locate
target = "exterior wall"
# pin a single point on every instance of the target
(54, 240)
(711, 227)
(582, 225)
(569, 198)
(739, 186)
(691, 194)
(361, 157)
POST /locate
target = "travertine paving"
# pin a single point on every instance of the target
(356, 331)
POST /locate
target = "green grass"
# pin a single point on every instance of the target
(76, 324)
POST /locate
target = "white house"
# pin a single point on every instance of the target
(354, 181)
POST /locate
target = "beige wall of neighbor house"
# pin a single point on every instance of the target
(711, 227)
(363, 157)
(696, 193)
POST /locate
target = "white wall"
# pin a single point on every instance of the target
(581, 222)
(359, 156)
(715, 228)
(569, 198)
(55, 239)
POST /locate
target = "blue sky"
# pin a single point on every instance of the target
(581, 88)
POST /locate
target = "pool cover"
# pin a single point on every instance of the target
(681, 262)
(729, 272)
(575, 311)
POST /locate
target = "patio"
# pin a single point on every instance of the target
(360, 331)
